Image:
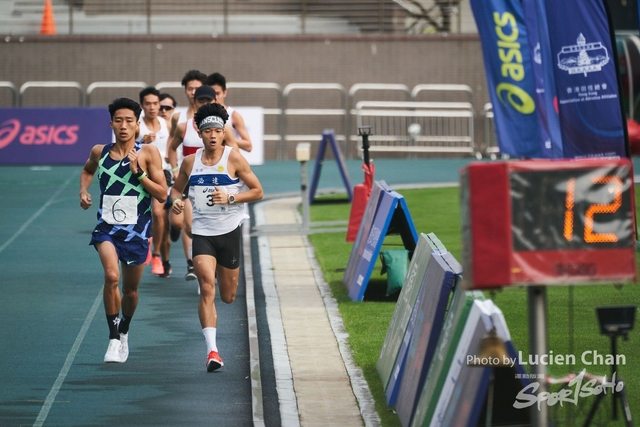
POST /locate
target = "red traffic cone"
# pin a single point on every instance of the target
(48, 26)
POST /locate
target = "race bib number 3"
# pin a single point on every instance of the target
(204, 201)
(120, 209)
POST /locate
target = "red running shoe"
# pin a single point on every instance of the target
(214, 361)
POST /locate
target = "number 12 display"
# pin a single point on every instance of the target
(545, 222)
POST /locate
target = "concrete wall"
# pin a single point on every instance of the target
(409, 60)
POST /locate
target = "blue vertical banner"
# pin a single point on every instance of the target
(545, 91)
(507, 62)
(585, 77)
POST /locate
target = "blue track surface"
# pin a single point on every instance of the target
(54, 330)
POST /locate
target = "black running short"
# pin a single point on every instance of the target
(185, 193)
(224, 248)
(168, 177)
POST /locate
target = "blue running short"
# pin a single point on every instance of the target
(131, 253)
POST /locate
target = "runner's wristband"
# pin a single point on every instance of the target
(174, 202)
(141, 175)
(176, 169)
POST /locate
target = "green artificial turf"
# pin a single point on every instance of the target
(572, 323)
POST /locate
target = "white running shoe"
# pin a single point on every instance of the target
(113, 352)
(124, 347)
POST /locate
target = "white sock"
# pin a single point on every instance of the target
(210, 337)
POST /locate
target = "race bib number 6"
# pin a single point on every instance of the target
(120, 209)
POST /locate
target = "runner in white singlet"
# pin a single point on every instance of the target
(154, 132)
(191, 81)
(215, 174)
(158, 138)
(219, 84)
(187, 136)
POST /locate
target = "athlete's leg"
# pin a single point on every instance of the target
(177, 221)
(158, 225)
(187, 240)
(205, 267)
(111, 297)
(229, 265)
(111, 292)
(228, 283)
(131, 276)
(186, 245)
(165, 246)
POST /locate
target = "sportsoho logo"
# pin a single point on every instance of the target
(37, 135)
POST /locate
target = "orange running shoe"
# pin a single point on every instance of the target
(149, 255)
(214, 361)
(156, 265)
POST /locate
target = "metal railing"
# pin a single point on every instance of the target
(398, 126)
(269, 111)
(168, 85)
(383, 90)
(14, 92)
(276, 112)
(112, 85)
(56, 85)
(418, 127)
(288, 113)
(378, 87)
(449, 92)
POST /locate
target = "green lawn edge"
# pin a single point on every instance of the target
(436, 210)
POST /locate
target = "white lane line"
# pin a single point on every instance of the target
(51, 397)
(37, 214)
(252, 323)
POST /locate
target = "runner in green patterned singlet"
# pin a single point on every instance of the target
(130, 174)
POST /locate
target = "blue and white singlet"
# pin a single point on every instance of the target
(211, 219)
